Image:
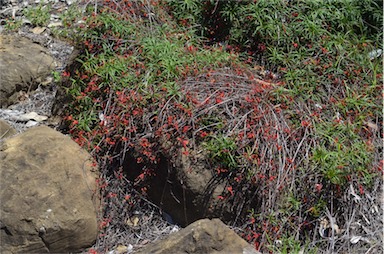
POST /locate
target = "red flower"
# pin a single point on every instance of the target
(183, 142)
(361, 189)
(92, 251)
(261, 47)
(305, 123)
(186, 128)
(230, 190)
(324, 50)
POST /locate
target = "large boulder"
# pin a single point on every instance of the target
(48, 201)
(203, 236)
(23, 64)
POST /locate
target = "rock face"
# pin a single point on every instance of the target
(203, 236)
(22, 65)
(47, 194)
(187, 191)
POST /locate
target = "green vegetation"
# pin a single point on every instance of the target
(322, 50)
(222, 151)
(13, 25)
(39, 15)
(297, 134)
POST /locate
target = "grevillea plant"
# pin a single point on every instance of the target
(289, 143)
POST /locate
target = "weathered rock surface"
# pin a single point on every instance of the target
(203, 188)
(6, 130)
(23, 64)
(188, 190)
(203, 236)
(47, 194)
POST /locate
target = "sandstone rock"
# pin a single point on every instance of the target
(188, 189)
(203, 236)
(6, 130)
(47, 194)
(22, 64)
(204, 189)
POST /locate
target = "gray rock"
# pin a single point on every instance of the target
(47, 194)
(22, 65)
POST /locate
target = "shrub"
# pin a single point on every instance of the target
(39, 15)
(290, 148)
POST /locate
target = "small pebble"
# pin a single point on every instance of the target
(31, 124)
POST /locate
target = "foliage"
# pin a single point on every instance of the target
(153, 88)
(222, 151)
(13, 25)
(39, 15)
(321, 49)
